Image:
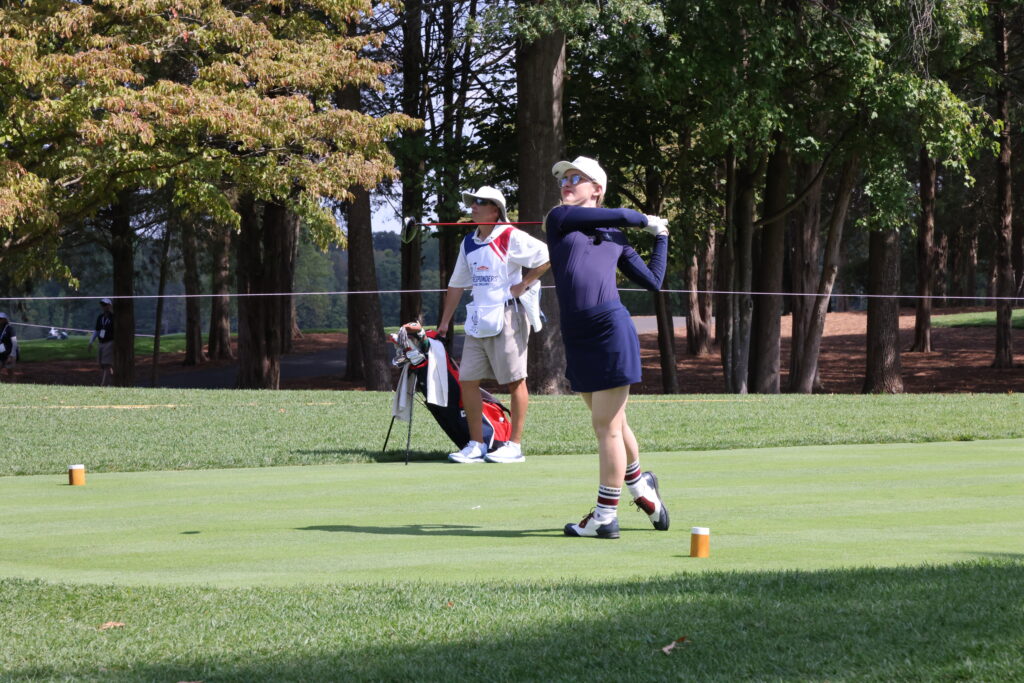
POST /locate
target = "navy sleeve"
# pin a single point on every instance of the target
(586, 218)
(648, 275)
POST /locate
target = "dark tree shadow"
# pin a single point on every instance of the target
(955, 622)
(432, 530)
(373, 455)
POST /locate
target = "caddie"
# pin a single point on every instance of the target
(491, 262)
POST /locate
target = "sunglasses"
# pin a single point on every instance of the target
(573, 180)
(482, 202)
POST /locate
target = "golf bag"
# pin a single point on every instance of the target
(415, 350)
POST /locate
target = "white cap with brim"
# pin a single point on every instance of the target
(105, 301)
(586, 166)
(489, 193)
(3, 315)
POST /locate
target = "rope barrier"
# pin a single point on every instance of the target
(239, 295)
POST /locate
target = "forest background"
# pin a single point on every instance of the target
(231, 150)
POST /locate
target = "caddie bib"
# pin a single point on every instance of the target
(488, 264)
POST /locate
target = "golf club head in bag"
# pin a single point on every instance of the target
(411, 345)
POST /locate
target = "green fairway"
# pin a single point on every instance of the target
(47, 428)
(793, 508)
(262, 536)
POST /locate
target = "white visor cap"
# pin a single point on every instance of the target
(586, 166)
(489, 193)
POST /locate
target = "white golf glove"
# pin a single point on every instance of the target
(657, 226)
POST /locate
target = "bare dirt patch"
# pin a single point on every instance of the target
(960, 362)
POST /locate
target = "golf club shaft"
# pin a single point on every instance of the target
(463, 223)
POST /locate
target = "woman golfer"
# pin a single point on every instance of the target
(602, 350)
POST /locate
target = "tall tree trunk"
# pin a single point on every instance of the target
(963, 255)
(742, 307)
(699, 282)
(259, 318)
(122, 251)
(666, 343)
(654, 190)
(698, 275)
(1004, 281)
(193, 323)
(288, 247)
(766, 360)
(454, 89)
(804, 382)
(883, 344)
(725, 274)
(365, 320)
(354, 371)
(925, 253)
(219, 345)
(941, 291)
(158, 326)
(540, 139)
(806, 241)
(411, 159)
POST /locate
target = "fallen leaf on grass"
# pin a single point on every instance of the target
(671, 646)
(112, 624)
(450, 604)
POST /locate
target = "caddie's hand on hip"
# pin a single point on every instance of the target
(517, 290)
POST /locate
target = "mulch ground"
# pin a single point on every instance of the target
(960, 362)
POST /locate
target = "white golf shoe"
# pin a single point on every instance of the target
(510, 452)
(591, 528)
(472, 452)
(651, 503)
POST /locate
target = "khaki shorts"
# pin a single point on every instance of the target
(106, 354)
(501, 357)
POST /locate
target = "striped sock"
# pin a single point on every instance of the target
(607, 503)
(633, 473)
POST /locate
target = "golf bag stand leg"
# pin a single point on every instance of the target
(408, 436)
(388, 437)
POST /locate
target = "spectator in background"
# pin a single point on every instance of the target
(105, 333)
(8, 347)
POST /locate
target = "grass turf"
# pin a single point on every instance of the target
(828, 563)
(793, 508)
(46, 428)
(958, 622)
(76, 347)
(976, 319)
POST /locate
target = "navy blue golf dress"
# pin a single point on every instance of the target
(602, 350)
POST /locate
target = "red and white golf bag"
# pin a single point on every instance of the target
(427, 369)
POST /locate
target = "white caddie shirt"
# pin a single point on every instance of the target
(491, 266)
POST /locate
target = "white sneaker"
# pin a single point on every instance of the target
(510, 452)
(474, 451)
